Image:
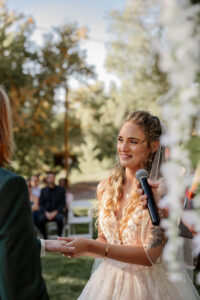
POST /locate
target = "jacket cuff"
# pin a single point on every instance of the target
(42, 250)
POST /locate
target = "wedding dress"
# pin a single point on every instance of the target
(115, 280)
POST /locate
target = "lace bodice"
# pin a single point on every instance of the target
(110, 228)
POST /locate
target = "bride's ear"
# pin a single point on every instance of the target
(154, 146)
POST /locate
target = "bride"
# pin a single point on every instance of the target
(131, 246)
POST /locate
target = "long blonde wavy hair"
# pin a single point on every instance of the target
(6, 136)
(112, 190)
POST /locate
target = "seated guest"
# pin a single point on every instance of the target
(35, 188)
(34, 199)
(52, 205)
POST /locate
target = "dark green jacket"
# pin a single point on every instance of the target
(20, 268)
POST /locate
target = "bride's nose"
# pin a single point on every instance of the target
(124, 146)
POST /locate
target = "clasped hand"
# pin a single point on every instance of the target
(71, 247)
(51, 215)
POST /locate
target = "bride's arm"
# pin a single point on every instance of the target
(124, 253)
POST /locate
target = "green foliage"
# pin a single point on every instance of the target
(94, 109)
(32, 77)
(193, 145)
(132, 58)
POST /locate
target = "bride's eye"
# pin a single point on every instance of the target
(119, 139)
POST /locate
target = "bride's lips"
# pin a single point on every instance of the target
(125, 156)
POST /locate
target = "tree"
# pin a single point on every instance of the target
(94, 109)
(32, 77)
(131, 56)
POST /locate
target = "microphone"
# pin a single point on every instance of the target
(142, 176)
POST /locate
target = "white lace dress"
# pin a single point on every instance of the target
(114, 280)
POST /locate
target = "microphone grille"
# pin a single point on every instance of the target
(141, 173)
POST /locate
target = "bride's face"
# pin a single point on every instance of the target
(132, 146)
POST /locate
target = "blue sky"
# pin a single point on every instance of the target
(90, 13)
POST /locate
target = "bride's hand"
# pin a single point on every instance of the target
(80, 245)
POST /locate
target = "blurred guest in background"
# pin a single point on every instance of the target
(35, 188)
(52, 205)
(34, 193)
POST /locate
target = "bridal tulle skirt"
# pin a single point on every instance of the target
(115, 280)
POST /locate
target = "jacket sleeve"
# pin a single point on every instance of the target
(20, 270)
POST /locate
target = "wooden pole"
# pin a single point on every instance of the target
(66, 158)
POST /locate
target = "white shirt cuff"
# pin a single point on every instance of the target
(42, 250)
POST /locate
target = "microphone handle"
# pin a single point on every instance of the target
(153, 211)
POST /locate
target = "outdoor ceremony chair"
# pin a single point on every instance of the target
(77, 218)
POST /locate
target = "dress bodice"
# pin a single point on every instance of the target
(110, 228)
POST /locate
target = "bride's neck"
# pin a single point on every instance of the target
(129, 178)
(130, 175)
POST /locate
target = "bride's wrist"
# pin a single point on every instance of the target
(97, 248)
(89, 245)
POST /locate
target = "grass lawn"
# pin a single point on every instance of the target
(65, 278)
